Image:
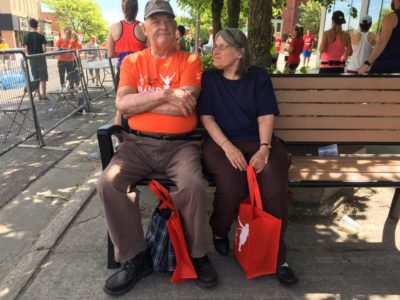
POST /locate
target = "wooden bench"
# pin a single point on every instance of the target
(353, 112)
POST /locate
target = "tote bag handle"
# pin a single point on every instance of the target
(254, 190)
(162, 194)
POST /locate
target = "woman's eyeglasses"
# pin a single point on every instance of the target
(221, 47)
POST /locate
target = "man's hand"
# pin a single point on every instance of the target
(235, 156)
(260, 159)
(182, 99)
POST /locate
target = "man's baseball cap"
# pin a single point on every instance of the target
(338, 17)
(157, 6)
(366, 20)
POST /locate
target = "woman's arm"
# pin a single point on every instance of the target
(234, 155)
(388, 23)
(265, 128)
(323, 46)
(348, 48)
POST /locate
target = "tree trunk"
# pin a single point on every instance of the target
(197, 41)
(216, 9)
(260, 13)
(233, 13)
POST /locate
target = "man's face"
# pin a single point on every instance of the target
(160, 30)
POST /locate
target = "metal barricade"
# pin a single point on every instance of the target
(66, 95)
(18, 116)
(98, 72)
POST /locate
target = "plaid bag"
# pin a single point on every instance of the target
(159, 243)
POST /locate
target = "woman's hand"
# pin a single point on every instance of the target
(363, 70)
(235, 156)
(260, 159)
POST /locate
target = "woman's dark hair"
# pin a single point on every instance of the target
(365, 26)
(236, 38)
(33, 23)
(299, 31)
(130, 9)
(181, 29)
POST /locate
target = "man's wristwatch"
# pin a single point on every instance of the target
(367, 63)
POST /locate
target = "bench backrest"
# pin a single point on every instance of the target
(346, 109)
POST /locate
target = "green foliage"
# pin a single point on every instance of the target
(82, 16)
(310, 15)
(207, 61)
(377, 24)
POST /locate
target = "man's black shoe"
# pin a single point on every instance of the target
(207, 276)
(133, 270)
(286, 275)
(221, 245)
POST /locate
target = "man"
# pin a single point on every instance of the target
(309, 40)
(157, 93)
(35, 43)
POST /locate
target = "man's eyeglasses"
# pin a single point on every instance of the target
(221, 47)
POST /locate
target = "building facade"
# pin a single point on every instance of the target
(14, 17)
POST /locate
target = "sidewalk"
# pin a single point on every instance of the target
(53, 236)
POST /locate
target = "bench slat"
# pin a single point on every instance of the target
(345, 82)
(345, 169)
(337, 96)
(323, 136)
(336, 123)
(295, 109)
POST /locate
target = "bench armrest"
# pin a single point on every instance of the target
(104, 138)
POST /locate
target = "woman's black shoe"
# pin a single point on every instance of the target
(206, 275)
(221, 245)
(286, 275)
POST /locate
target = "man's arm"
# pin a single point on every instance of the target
(175, 102)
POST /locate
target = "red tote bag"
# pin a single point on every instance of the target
(257, 234)
(184, 267)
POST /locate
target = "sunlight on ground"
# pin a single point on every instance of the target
(7, 232)
(318, 296)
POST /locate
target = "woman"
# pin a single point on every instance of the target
(93, 54)
(335, 46)
(66, 62)
(181, 41)
(385, 57)
(295, 48)
(237, 107)
(125, 37)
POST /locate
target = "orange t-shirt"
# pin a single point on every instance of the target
(146, 74)
(64, 45)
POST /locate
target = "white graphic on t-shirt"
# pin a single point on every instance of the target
(244, 234)
(167, 80)
(141, 80)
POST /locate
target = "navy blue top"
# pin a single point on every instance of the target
(390, 56)
(236, 104)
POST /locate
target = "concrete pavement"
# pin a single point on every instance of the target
(53, 236)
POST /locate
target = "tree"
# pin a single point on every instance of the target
(233, 13)
(260, 13)
(310, 15)
(378, 23)
(83, 16)
(216, 9)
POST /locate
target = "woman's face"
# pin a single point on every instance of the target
(225, 56)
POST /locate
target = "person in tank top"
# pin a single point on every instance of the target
(385, 57)
(335, 46)
(125, 37)
(362, 43)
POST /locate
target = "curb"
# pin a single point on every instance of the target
(12, 285)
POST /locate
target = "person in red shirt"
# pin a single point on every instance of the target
(125, 37)
(309, 40)
(295, 47)
(66, 60)
(278, 42)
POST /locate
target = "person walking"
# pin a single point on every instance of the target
(362, 43)
(66, 61)
(385, 57)
(35, 43)
(295, 48)
(158, 92)
(93, 54)
(335, 46)
(309, 40)
(237, 107)
(125, 37)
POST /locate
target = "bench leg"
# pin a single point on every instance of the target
(111, 263)
(394, 212)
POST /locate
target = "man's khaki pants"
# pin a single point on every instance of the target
(137, 158)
